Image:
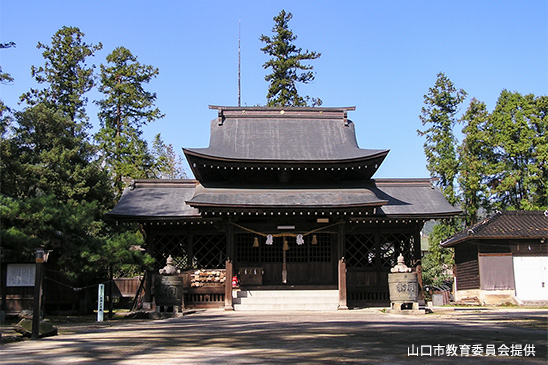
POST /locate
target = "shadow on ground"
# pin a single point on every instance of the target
(327, 337)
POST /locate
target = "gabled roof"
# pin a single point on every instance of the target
(412, 198)
(285, 134)
(156, 199)
(505, 225)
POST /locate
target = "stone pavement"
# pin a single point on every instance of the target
(354, 336)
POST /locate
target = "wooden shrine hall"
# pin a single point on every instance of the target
(285, 200)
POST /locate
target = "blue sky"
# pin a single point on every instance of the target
(380, 56)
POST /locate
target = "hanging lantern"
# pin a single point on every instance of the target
(314, 240)
(300, 239)
(286, 246)
(269, 240)
(255, 242)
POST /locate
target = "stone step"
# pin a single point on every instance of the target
(286, 293)
(288, 300)
(281, 300)
(286, 307)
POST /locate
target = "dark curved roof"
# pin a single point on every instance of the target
(284, 198)
(156, 199)
(506, 225)
(283, 134)
(182, 199)
(412, 198)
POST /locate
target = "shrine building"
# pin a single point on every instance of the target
(285, 200)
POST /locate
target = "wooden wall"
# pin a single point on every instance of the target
(467, 266)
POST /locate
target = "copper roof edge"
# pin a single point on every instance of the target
(278, 108)
(163, 183)
(199, 152)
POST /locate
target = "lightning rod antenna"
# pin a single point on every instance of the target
(239, 62)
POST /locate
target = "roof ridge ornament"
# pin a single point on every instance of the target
(221, 116)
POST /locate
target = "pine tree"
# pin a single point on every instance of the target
(66, 74)
(286, 65)
(5, 78)
(125, 109)
(57, 190)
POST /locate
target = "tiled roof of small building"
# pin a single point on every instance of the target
(506, 225)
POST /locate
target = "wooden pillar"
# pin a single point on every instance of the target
(229, 267)
(417, 239)
(343, 304)
(229, 241)
(228, 286)
(147, 298)
(342, 268)
(418, 262)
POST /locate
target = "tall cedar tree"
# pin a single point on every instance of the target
(126, 108)
(474, 154)
(439, 116)
(286, 65)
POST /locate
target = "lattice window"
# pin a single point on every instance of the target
(272, 253)
(321, 251)
(174, 245)
(392, 244)
(244, 247)
(297, 253)
(388, 257)
(360, 250)
(307, 252)
(210, 251)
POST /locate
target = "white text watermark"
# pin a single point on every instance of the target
(514, 350)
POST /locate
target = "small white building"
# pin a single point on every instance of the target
(504, 258)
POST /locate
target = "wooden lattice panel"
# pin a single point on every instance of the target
(392, 244)
(360, 250)
(174, 245)
(209, 251)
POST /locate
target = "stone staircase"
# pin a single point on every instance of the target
(286, 300)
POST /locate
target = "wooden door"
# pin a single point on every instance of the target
(312, 263)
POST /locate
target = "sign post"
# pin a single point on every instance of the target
(101, 303)
(37, 306)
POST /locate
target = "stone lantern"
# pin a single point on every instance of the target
(168, 287)
(404, 289)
